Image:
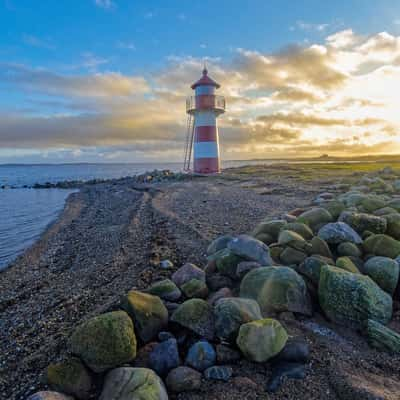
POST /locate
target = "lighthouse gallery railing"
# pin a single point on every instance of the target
(205, 102)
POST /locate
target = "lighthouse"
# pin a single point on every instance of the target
(203, 110)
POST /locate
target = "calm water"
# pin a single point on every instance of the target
(25, 213)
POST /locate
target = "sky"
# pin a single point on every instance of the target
(106, 80)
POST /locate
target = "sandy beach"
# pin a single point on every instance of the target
(111, 238)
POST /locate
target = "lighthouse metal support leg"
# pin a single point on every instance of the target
(189, 143)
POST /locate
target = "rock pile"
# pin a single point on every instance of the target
(340, 256)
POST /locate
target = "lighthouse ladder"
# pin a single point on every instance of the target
(189, 143)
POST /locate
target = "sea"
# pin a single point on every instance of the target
(25, 213)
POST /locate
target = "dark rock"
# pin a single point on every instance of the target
(284, 370)
(218, 244)
(186, 273)
(183, 379)
(218, 373)
(246, 266)
(251, 249)
(220, 294)
(201, 356)
(164, 357)
(163, 336)
(295, 350)
(226, 355)
(218, 281)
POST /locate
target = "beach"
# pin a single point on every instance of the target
(111, 238)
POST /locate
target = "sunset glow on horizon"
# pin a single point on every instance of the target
(106, 81)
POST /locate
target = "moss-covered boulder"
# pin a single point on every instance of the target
(250, 249)
(148, 312)
(382, 337)
(311, 267)
(393, 225)
(351, 299)
(346, 264)
(71, 377)
(384, 211)
(105, 341)
(133, 383)
(382, 245)
(196, 315)
(272, 228)
(218, 244)
(384, 271)
(261, 340)
(292, 239)
(165, 289)
(276, 289)
(231, 313)
(227, 262)
(395, 203)
(315, 218)
(195, 288)
(319, 247)
(362, 222)
(348, 249)
(335, 207)
(186, 273)
(371, 203)
(302, 229)
(265, 238)
(339, 232)
(290, 256)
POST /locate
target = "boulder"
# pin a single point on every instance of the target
(384, 211)
(186, 273)
(220, 294)
(382, 245)
(349, 249)
(393, 225)
(335, 207)
(302, 229)
(276, 289)
(311, 267)
(218, 244)
(218, 281)
(133, 383)
(164, 357)
(183, 379)
(371, 203)
(47, 395)
(290, 256)
(105, 341)
(384, 271)
(148, 312)
(218, 373)
(292, 239)
(272, 228)
(166, 290)
(71, 377)
(244, 267)
(319, 247)
(362, 222)
(195, 288)
(382, 337)
(315, 218)
(395, 203)
(261, 340)
(339, 232)
(196, 315)
(346, 264)
(230, 313)
(265, 238)
(295, 350)
(351, 299)
(201, 356)
(227, 262)
(251, 249)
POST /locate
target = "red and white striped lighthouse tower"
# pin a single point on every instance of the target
(203, 110)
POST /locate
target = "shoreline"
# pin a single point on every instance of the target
(111, 237)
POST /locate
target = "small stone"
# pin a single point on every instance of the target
(346, 264)
(166, 264)
(166, 290)
(295, 350)
(218, 373)
(195, 288)
(142, 359)
(183, 379)
(164, 357)
(220, 294)
(201, 356)
(47, 395)
(186, 273)
(284, 370)
(382, 337)
(244, 383)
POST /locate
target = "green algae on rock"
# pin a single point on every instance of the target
(276, 289)
(315, 218)
(362, 222)
(382, 245)
(351, 299)
(384, 271)
(148, 312)
(346, 264)
(261, 340)
(133, 383)
(105, 341)
(165, 289)
(270, 227)
(227, 262)
(196, 315)
(382, 337)
(195, 288)
(71, 377)
(231, 313)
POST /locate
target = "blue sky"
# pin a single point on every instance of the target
(97, 63)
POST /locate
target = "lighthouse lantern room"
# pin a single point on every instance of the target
(202, 139)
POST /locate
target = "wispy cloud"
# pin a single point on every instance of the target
(35, 41)
(105, 4)
(91, 61)
(126, 45)
(182, 16)
(397, 21)
(149, 15)
(306, 26)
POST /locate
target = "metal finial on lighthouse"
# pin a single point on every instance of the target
(202, 138)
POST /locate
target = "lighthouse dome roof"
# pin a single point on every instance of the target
(205, 80)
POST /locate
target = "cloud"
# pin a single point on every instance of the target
(34, 41)
(126, 45)
(105, 4)
(338, 97)
(306, 26)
